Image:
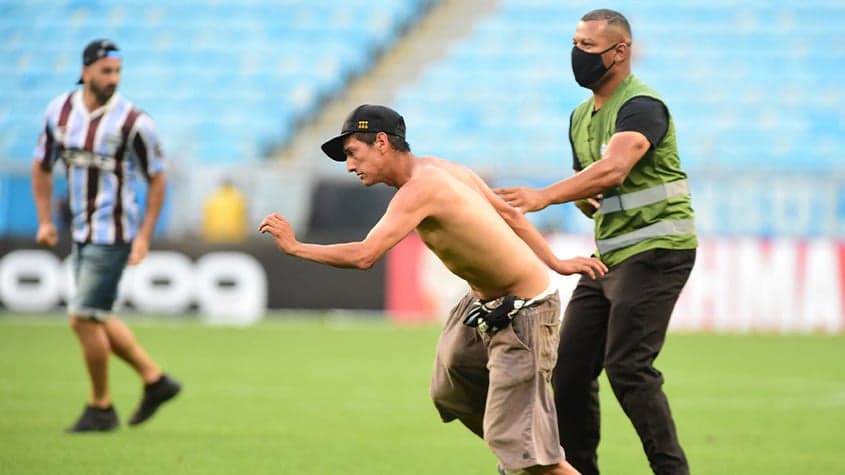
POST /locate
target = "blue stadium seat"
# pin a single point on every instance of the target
(265, 63)
(746, 83)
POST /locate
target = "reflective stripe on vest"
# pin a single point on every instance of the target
(636, 199)
(658, 229)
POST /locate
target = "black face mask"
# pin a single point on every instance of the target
(588, 68)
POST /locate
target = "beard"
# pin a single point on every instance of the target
(103, 92)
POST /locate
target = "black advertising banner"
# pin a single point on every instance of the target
(187, 274)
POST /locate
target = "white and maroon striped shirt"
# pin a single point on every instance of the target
(105, 153)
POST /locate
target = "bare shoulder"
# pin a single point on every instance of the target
(429, 170)
(434, 168)
(446, 165)
(423, 181)
(459, 172)
(430, 178)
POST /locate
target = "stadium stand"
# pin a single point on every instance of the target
(755, 87)
(752, 85)
(225, 80)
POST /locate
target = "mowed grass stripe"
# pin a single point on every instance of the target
(314, 395)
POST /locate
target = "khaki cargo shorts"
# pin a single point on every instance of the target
(503, 380)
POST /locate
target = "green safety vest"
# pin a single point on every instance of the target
(652, 208)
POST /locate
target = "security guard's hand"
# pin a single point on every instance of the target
(589, 206)
(522, 198)
(589, 266)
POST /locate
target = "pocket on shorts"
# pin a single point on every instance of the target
(548, 335)
(522, 329)
(511, 362)
(538, 330)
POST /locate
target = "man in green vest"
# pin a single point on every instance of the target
(629, 181)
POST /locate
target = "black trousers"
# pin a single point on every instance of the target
(618, 323)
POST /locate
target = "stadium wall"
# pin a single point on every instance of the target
(781, 285)
(739, 285)
(224, 284)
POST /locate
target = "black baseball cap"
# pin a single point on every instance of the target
(365, 118)
(99, 49)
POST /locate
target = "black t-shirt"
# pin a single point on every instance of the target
(642, 114)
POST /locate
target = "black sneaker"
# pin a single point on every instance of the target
(94, 419)
(155, 394)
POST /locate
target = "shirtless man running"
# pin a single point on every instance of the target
(499, 345)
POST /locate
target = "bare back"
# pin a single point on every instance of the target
(464, 230)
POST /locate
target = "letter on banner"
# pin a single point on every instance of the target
(160, 283)
(822, 299)
(231, 288)
(29, 281)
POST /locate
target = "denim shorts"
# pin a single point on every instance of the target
(97, 269)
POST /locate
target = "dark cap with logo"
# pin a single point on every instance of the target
(365, 118)
(97, 50)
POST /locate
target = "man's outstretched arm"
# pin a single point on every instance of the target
(403, 214)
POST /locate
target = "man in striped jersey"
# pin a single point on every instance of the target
(105, 145)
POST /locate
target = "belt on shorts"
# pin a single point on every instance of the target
(490, 317)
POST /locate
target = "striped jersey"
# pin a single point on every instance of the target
(105, 154)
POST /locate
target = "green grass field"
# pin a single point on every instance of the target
(337, 396)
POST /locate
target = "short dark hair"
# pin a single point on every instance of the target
(612, 17)
(399, 143)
